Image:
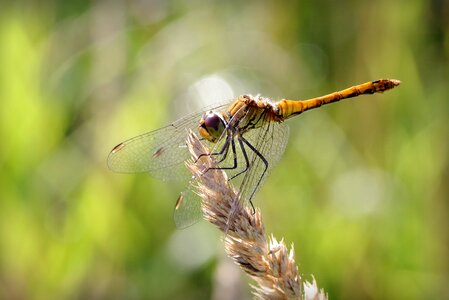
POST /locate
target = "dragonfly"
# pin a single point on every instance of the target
(246, 136)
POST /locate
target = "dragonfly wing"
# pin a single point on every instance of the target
(188, 209)
(162, 152)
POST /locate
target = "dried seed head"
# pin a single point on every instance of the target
(268, 262)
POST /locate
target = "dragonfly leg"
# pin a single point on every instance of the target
(264, 160)
(223, 149)
(253, 209)
(245, 155)
(235, 159)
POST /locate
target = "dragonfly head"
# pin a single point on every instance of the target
(212, 126)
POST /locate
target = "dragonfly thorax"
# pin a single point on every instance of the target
(212, 126)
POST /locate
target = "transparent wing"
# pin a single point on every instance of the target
(162, 152)
(188, 209)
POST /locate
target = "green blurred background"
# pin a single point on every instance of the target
(361, 192)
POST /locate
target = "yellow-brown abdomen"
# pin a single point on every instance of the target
(289, 108)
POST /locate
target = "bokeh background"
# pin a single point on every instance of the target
(362, 191)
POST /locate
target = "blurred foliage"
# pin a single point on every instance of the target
(362, 190)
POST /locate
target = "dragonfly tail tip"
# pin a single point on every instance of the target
(395, 82)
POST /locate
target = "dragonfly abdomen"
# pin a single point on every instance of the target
(289, 108)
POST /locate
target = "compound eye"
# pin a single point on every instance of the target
(212, 121)
(211, 126)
